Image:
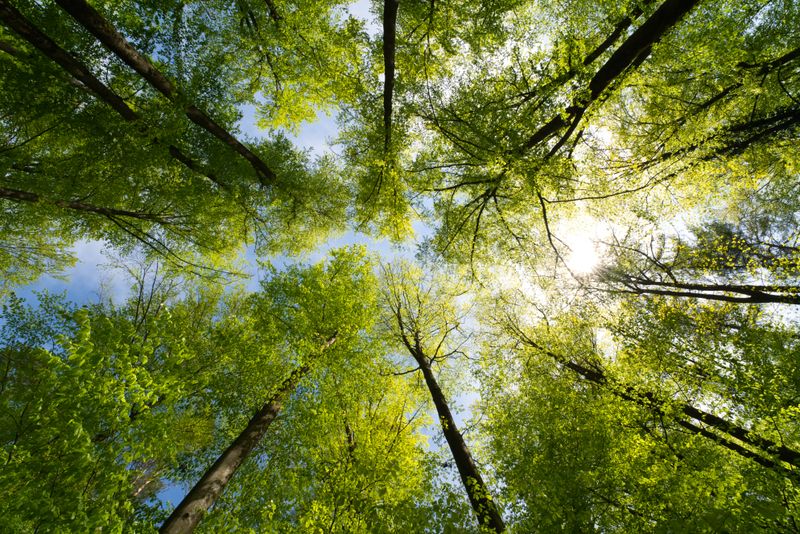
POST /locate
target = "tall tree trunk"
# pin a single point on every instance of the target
(204, 494)
(744, 293)
(105, 32)
(17, 195)
(631, 52)
(389, 45)
(479, 497)
(751, 298)
(273, 11)
(17, 22)
(82, 76)
(638, 46)
(735, 447)
(619, 29)
(649, 400)
(558, 122)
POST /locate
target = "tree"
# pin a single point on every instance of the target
(346, 455)
(319, 316)
(96, 403)
(658, 393)
(157, 182)
(423, 323)
(596, 429)
(750, 261)
(555, 127)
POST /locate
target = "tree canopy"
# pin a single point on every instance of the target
(591, 325)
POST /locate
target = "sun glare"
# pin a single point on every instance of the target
(583, 257)
(580, 237)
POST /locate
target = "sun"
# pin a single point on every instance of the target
(583, 256)
(580, 237)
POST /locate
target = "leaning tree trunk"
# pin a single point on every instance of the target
(739, 293)
(112, 39)
(82, 77)
(14, 20)
(479, 497)
(204, 494)
(635, 49)
(722, 426)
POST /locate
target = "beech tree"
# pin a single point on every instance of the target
(424, 324)
(318, 316)
(140, 171)
(600, 323)
(567, 410)
(97, 404)
(751, 259)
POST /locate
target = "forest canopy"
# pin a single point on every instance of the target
(570, 305)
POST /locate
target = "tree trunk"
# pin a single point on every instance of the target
(631, 52)
(204, 494)
(102, 29)
(479, 497)
(649, 400)
(735, 447)
(273, 11)
(619, 29)
(83, 77)
(389, 44)
(747, 294)
(637, 47)
(17, 22)
(17, 195)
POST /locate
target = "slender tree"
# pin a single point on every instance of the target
(201, 497)
(424, 326)
(328, 306)
(649, 400)
(95, 23)
(718, 261)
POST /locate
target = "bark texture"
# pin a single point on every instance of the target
(17, 22)
(632, 52)
(204, 494)
(479, 497)
(82, 77)
(389, 44)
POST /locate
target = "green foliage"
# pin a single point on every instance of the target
(345, 458)
(601, 462)
(658, 394)
(86, 172)
(88, 403)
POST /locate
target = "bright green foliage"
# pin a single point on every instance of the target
(659, 393)
(86, 172)
(346, 453)
(657, 129)
(101, 405)
(738, 361)
(88, 413)
(432, 42)
(602, 462)
(345, 458)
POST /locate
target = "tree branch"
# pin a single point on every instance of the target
(105, 32)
